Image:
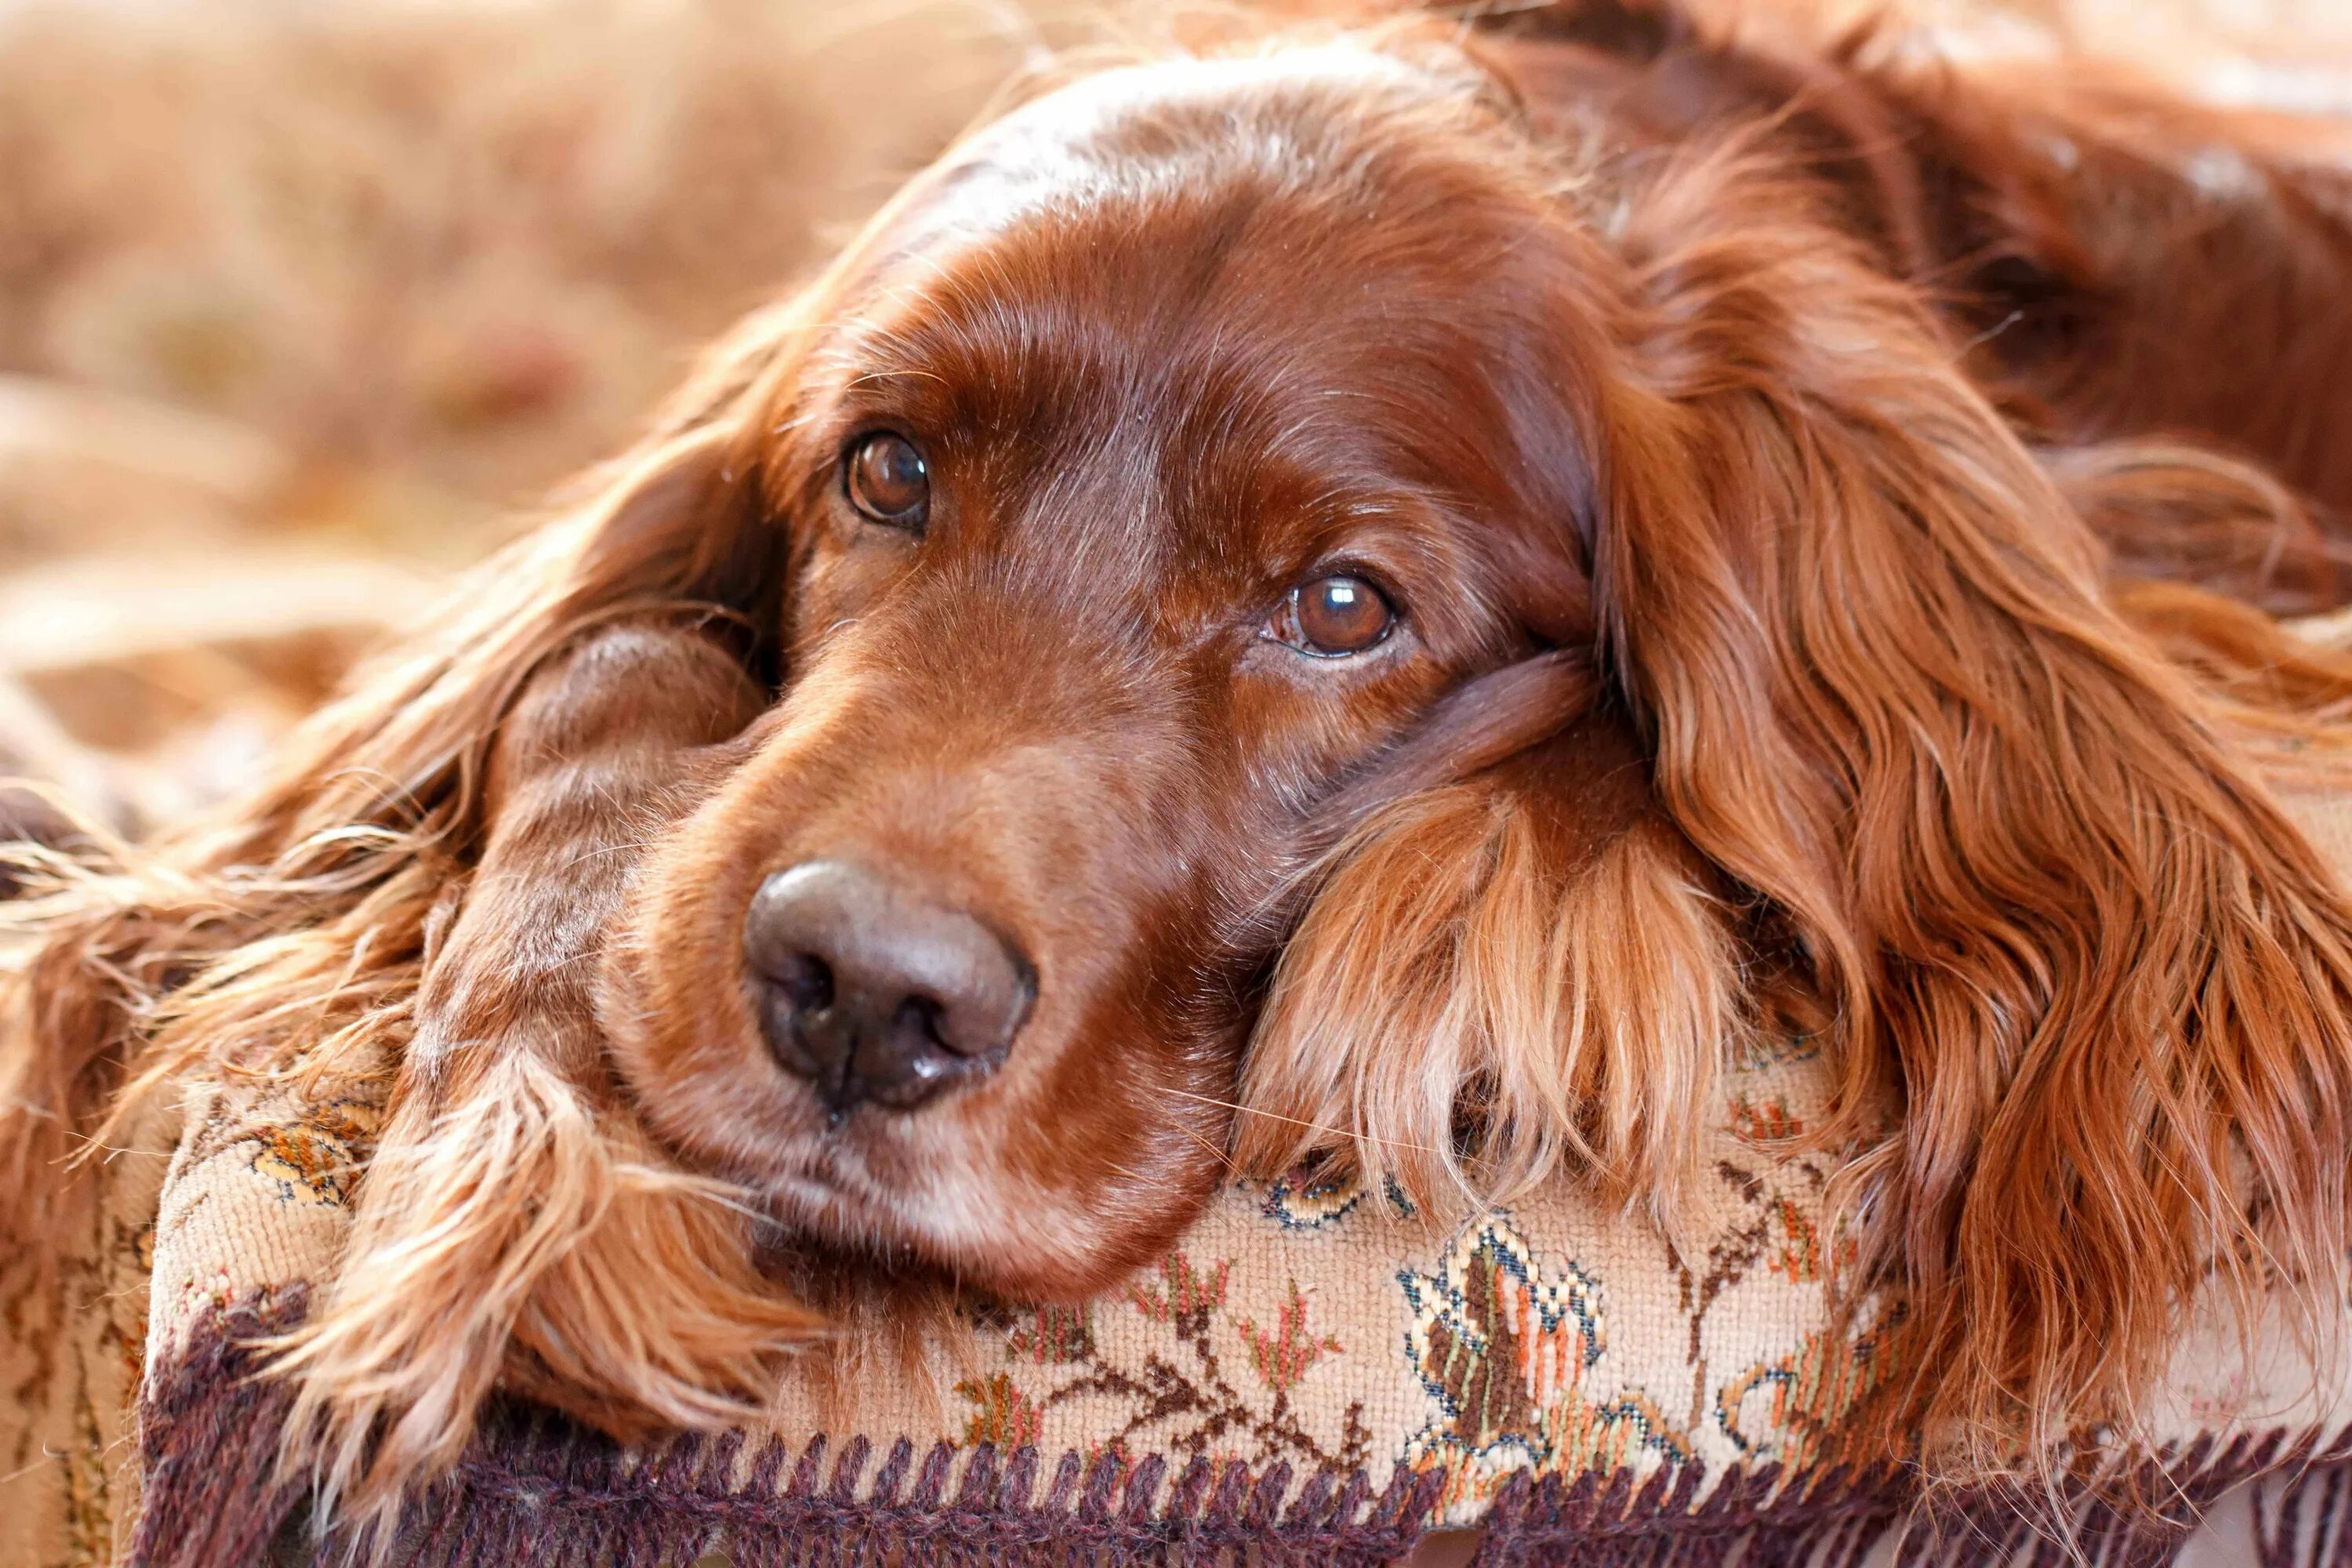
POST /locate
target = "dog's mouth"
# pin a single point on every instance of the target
(824, 1190)
(825, 1175)
(826, 1220)
(824, 1197)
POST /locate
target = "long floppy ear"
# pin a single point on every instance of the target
(1523, 969)
(515, 1221)
(2071, 942)
(413, 899)
(320, 881)
(291, 922)
(338, 856)
(289, 935)
(1893, 744)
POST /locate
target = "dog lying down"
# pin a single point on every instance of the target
(1383, 598)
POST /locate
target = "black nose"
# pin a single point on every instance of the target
(870, 993)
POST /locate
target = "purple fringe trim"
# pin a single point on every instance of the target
(208, 1444)
(1835, 1518)
(535, 1491)
(545, 1494)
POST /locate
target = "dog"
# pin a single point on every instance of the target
(1384, 599)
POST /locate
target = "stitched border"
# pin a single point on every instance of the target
(535, 1491)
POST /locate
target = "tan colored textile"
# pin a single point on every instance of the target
(1326, 1330)
(71, 1351)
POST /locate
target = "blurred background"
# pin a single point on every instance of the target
(303, 302)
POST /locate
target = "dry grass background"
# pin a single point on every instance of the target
(301, 299)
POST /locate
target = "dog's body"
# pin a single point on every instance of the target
(2113, 261)
(1413, 590)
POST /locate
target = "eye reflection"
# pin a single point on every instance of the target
(887, 480)
(1332, 617)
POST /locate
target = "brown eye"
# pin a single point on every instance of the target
(887, 480)
(1333, 615)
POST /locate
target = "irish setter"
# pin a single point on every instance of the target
(1384, 598)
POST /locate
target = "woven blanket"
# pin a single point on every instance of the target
(1314, 1372)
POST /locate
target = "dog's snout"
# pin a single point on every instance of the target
(872, 992)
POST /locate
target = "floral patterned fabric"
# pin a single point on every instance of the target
(72, 1349)
(1307, 1329)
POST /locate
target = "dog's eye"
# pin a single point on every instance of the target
(887, 480)
(1332, 617)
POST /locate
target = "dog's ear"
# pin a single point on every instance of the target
(1891, 756)
(2066, 933)
(323, 877)
(1521, 969)
(676, 524)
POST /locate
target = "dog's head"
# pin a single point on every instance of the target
(1160, 477)
(1290, 597)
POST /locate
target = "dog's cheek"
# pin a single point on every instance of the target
(1066, 1240)
(1124, 1157)
(1180, 1154)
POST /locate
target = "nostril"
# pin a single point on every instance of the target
(921, 1020)
(805, 980)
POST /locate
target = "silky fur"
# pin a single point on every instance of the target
(1874, 729)
(620, 1273)
(2062, 928)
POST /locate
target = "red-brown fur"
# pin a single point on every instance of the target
(501, 1088)
(1761, 439)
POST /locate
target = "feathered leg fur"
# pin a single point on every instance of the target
(515, 1226)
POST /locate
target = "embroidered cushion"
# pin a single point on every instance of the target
(1315, 1371)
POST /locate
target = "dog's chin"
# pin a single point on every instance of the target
(868, 1194)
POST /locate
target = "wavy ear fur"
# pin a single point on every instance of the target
(2070, 938)
(1527, 968)
(515, 1220)
(2071, 951)
(291, 935)
(320, 882)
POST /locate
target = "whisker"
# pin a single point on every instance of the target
(1220, 1155)
(1316, 1126)
(587, 855)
